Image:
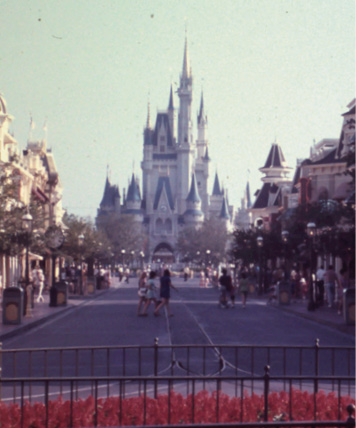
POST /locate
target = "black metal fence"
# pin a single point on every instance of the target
(72, 389)
(44, 375)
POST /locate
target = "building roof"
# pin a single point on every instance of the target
(268, 196)
(193, 195)
(216, 189)
(163, 183)
(170, 105)
(110, 194)
(133, 192)
(224, 213)
(275, 158)
(201, 115)
(248, 196)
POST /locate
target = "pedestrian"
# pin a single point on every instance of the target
(243, 288)
(320, 291)
(186, 273)
(151, 293)
(226, 289)
(202, 279)
(165, 292)
(330, 278)
(343, 284)
(142, 290)
(38, 279)
(127, 275)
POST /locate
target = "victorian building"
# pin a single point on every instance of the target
(175, 176)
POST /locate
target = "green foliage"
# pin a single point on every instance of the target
(123, 233)
(193, 243)
(12, 239)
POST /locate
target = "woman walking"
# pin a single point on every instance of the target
(165, 292)
(142, 290)
(151, 293)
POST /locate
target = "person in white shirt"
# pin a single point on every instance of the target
(320, 290)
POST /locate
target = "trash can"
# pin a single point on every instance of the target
(91, 284)
(349, 305)
(284, 293)
(252, 286)
(12, 305)
(58, 294)
(62, 293)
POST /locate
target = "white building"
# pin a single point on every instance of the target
(175, 176)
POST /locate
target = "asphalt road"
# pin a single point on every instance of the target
(111, 320)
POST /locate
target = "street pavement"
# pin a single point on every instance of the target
(42, 312)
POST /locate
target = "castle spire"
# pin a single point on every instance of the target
(170, 105)
(201, 111)
(186, 68)
(148, 125)
(193, 195)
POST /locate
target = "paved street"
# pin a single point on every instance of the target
(110, 319)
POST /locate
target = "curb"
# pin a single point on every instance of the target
(36, 322)
(343, 328)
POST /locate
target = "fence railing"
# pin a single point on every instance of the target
(74, 373)
(205, 360)
(24, 391)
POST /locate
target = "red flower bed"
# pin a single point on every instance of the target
(203, 406)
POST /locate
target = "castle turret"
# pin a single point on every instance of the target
(193, 213)
(186, 148)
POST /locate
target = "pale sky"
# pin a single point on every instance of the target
(269, 69)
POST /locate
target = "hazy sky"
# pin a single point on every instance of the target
(269, 69)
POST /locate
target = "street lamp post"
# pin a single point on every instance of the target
(259, 249)
(27, 228)
(123, 257)
(142, 256)
(311, 231)
(80, 243)
(285, 236)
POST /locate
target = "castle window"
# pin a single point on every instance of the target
(162, 149)
(168, 226)
(162, 139)
(159, 226)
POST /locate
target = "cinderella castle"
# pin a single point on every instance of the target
(175, 177)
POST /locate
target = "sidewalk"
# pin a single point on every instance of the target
(321, 315)
(42, 311)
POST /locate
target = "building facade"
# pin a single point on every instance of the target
(175, 176)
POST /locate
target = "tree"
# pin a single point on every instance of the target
(212, 236)
(123, 233)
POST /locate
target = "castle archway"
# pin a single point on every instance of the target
(163, 253)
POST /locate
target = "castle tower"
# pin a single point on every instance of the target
(193, 214)
(186, 147)
(202, 160)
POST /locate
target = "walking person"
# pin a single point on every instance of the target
(226, 288)
(151, 293)
(165, 292)
(142, 290)
(320, 291)
(243, 288)
(330, 279)
(343, 284)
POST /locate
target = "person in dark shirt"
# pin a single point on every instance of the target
(165, 292)
(226, 289)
